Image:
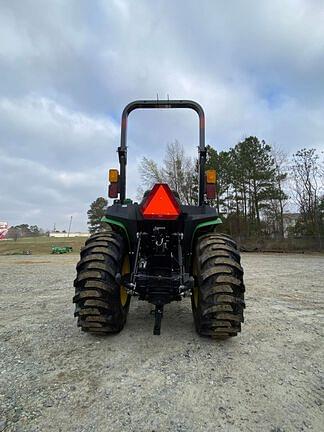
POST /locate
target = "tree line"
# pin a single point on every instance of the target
(256, 185)
(24, 230)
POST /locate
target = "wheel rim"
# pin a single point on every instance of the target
(195, 296)
(123, 292)
(195, 288)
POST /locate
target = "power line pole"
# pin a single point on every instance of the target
(70, 226)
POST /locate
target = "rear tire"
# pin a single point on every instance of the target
(218, 296)
(101, 304)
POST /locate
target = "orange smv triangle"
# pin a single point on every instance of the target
(160, 203)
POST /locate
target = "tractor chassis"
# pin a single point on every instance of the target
(160, 251)
(157, 289)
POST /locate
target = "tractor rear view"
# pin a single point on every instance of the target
(160, 251)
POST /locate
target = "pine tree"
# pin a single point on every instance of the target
(95, 213)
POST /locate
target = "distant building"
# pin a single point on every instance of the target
(65, 234)
(4, 228)
(289, 221)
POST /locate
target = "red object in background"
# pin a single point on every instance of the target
(4, 228)
(211, 191)
(161, 204)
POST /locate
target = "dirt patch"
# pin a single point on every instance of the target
(33, 262)
(55, 378)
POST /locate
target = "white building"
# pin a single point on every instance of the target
(66, 235)
(289, 222)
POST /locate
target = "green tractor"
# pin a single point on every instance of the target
(61, 249)
(160, 250)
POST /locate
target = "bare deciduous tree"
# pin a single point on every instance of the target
(178, 170)
(305, 175)
(281, 198)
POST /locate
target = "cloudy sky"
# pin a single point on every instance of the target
(68, 67)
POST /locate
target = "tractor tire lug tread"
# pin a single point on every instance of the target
(97, 295)
(219, 312)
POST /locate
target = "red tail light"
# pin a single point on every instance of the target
(210, 191)
(113, 190)
(160, 204)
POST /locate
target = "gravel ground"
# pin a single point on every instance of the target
(55, 378)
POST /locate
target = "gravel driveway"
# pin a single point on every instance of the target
(55, 378)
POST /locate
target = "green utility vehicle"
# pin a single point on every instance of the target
(61, 249)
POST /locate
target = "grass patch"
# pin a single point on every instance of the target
(39, 245)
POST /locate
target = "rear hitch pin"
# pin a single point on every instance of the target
(158, 314)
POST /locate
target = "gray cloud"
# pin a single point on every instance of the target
(68, 68)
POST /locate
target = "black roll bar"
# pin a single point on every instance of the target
(122, 150)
